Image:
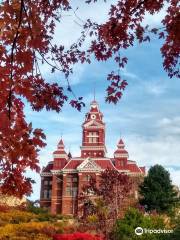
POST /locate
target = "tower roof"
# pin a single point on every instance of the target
(94, 106)
(121, 144)
(60, 144)
(121, 141)
(60, 148)
(120, 151)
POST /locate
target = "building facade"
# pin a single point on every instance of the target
(63, 178)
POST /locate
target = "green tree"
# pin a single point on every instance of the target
(157, 191)
(124, 229)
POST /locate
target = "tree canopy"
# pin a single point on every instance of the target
(110, 194)
(125, 228)
(27, 29)
(157, 191)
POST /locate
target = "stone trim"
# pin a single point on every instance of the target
(46, 174)
(69, 171)
(121, 155)
(60, 156)
(56, 172)
(93, 148)
(131, 162)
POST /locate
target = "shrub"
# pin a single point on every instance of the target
(29, 231)
(4, 208)
(76, 236)
(15, 216)
(125, 228)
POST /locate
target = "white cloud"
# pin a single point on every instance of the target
(129, 74)
(175, 175)
(169, 126)
(157, 150)
(155, 86)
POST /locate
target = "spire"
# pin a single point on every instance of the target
(120, 152)
(69, 155)
(60, 152)
(60, 144)
(94, 106)
(94, 92)
(121, 144)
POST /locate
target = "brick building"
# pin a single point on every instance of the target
(62, 179)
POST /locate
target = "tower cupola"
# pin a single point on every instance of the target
(93, 139)
(60, 156)
(120, 155)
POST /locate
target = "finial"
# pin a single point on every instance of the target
(94, 91)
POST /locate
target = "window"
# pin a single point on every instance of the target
(74, 191)
(122, 163)
(72, 185)
(87, 178)
(47, 183)
(74, 179)
(68, 191)
(47, 194)
(69, 178)
(93, 137)
(71, 191)
(50, 193)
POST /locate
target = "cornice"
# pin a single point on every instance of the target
(93, 147)
(60, 156)
(56, 172)
(45, 174)
(121, 155)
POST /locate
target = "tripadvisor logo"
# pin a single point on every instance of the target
(139, 231)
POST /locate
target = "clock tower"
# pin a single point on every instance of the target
(93, 136)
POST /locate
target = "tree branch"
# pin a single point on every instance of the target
(12, 59)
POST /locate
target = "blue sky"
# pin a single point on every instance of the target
(147, 117)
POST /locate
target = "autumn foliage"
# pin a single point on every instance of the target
(108, 200)
(27, 29)
(77, 236)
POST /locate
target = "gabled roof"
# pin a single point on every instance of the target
(143, 169)
(134, 168)
(73, 164)
(88, 164)
(104, 164)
